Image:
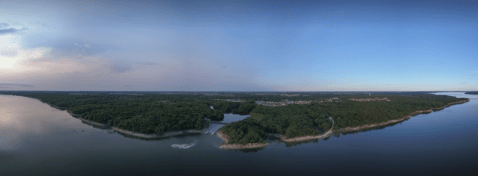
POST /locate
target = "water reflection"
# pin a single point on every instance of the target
(251, 150)
(228, 118)
(69, 147)
(292, 144)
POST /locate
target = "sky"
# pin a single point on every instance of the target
(235, 45)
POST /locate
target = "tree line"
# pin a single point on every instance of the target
(142, 113)
(149, 112)
(303, 120)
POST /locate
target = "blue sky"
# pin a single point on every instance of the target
(239, 45)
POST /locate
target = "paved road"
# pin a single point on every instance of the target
(328, 133)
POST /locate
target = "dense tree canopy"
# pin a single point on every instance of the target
(302, 120)
(143, 113)
(291, 121)
(153, 112)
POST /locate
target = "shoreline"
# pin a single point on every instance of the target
(304, 138)
(135, 134)
(95, 124)
(89, 122)
(122, 131)
(225, 138)
(331, 131)
(358, 128)
(56, 107)
(156, 136)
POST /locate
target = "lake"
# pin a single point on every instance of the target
(36, 139)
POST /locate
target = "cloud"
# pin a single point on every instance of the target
(4, 25)
(147, 63)
(57, 69)
(42, 24)
(13, 84)
(463, 82)
(8, 52)
(74, 46)
(96, 73)
(117, 67)
(9, 30)
(6, 28)
(13, 56)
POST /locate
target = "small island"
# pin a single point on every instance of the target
(303, 116)
(472, 93)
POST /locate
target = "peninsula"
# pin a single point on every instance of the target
(304, 116)
(311, 121)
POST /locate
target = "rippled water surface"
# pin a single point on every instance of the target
(36, 139)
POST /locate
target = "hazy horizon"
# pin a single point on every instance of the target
(179, 91)
(240, 46)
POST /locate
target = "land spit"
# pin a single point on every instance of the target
(225, 138)
(156, 136)
(140, 135)
(330, 132)
(95, 124)
(303, 138)
(358, 128)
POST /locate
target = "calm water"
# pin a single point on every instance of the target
(228, 118)
(36, 139)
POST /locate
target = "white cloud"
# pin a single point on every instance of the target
(20, 65)
(13, 56)
(46, 69)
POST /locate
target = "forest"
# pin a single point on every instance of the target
(302, 120)
(290, 120)
(473, 92)
(160, 112)
(143, 113)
